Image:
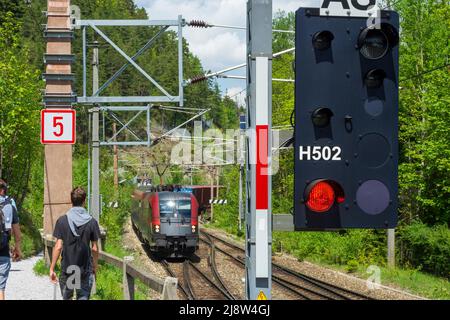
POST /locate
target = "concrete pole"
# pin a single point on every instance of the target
(391, 248)
(95, 202)
(58, 158)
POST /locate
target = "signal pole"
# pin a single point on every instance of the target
(259, 109)
(95, 200)
(391, 248)
(116, 163)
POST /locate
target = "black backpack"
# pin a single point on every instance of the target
(4, 235)
(77, 253)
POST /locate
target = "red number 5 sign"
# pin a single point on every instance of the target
(58, 126)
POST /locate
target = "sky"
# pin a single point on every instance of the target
(217, 48)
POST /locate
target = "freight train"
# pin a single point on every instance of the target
(166, 221)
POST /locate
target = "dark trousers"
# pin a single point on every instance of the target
(69, 286)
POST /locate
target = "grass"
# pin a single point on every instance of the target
(40, 269)
(421, 283)
(109, 278)
(413, 281)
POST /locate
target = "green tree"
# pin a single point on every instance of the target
(16, 7)
(19, 109)
(424, 110)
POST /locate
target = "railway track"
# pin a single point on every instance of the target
(212, 261)
(187, 293)
(284, 285)
(289, 287)
(304, 286)
(197, 284)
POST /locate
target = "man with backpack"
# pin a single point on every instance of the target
(9, 224)
(77, 235)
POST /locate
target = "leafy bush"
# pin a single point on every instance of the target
(426, 247)
(352, 248)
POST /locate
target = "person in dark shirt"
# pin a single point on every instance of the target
(10, 226)
(77, 235)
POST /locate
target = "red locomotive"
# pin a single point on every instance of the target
(167, 221)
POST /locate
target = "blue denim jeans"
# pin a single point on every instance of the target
(5, 266)
(83, 292)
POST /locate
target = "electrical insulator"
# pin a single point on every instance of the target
(199, 24)
(198, 79)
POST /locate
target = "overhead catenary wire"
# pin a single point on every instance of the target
(242, 65)
(158, 140)
(205, 25)
(237, 94)
(245, 78)
(419, 75)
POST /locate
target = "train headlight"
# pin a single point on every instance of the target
(171, 204)
(157, 229)
(194, 229)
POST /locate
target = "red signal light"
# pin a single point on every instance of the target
(321, 197)
(340, 194)
(340, 199)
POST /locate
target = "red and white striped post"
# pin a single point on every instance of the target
(259, 181)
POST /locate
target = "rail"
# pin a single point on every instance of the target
(166, 287)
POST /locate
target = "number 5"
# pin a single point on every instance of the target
(57, 123)
(317, 154)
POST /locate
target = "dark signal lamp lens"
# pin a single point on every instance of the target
(321, 198)
(322, 40)
(373, 44)
(375, 78)
(322, 117)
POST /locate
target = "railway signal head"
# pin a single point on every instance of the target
(346, 137)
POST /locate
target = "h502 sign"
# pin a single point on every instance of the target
(58, 126)
(349, 8)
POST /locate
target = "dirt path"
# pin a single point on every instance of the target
(24, 284)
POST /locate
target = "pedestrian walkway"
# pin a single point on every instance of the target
(24, 284)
